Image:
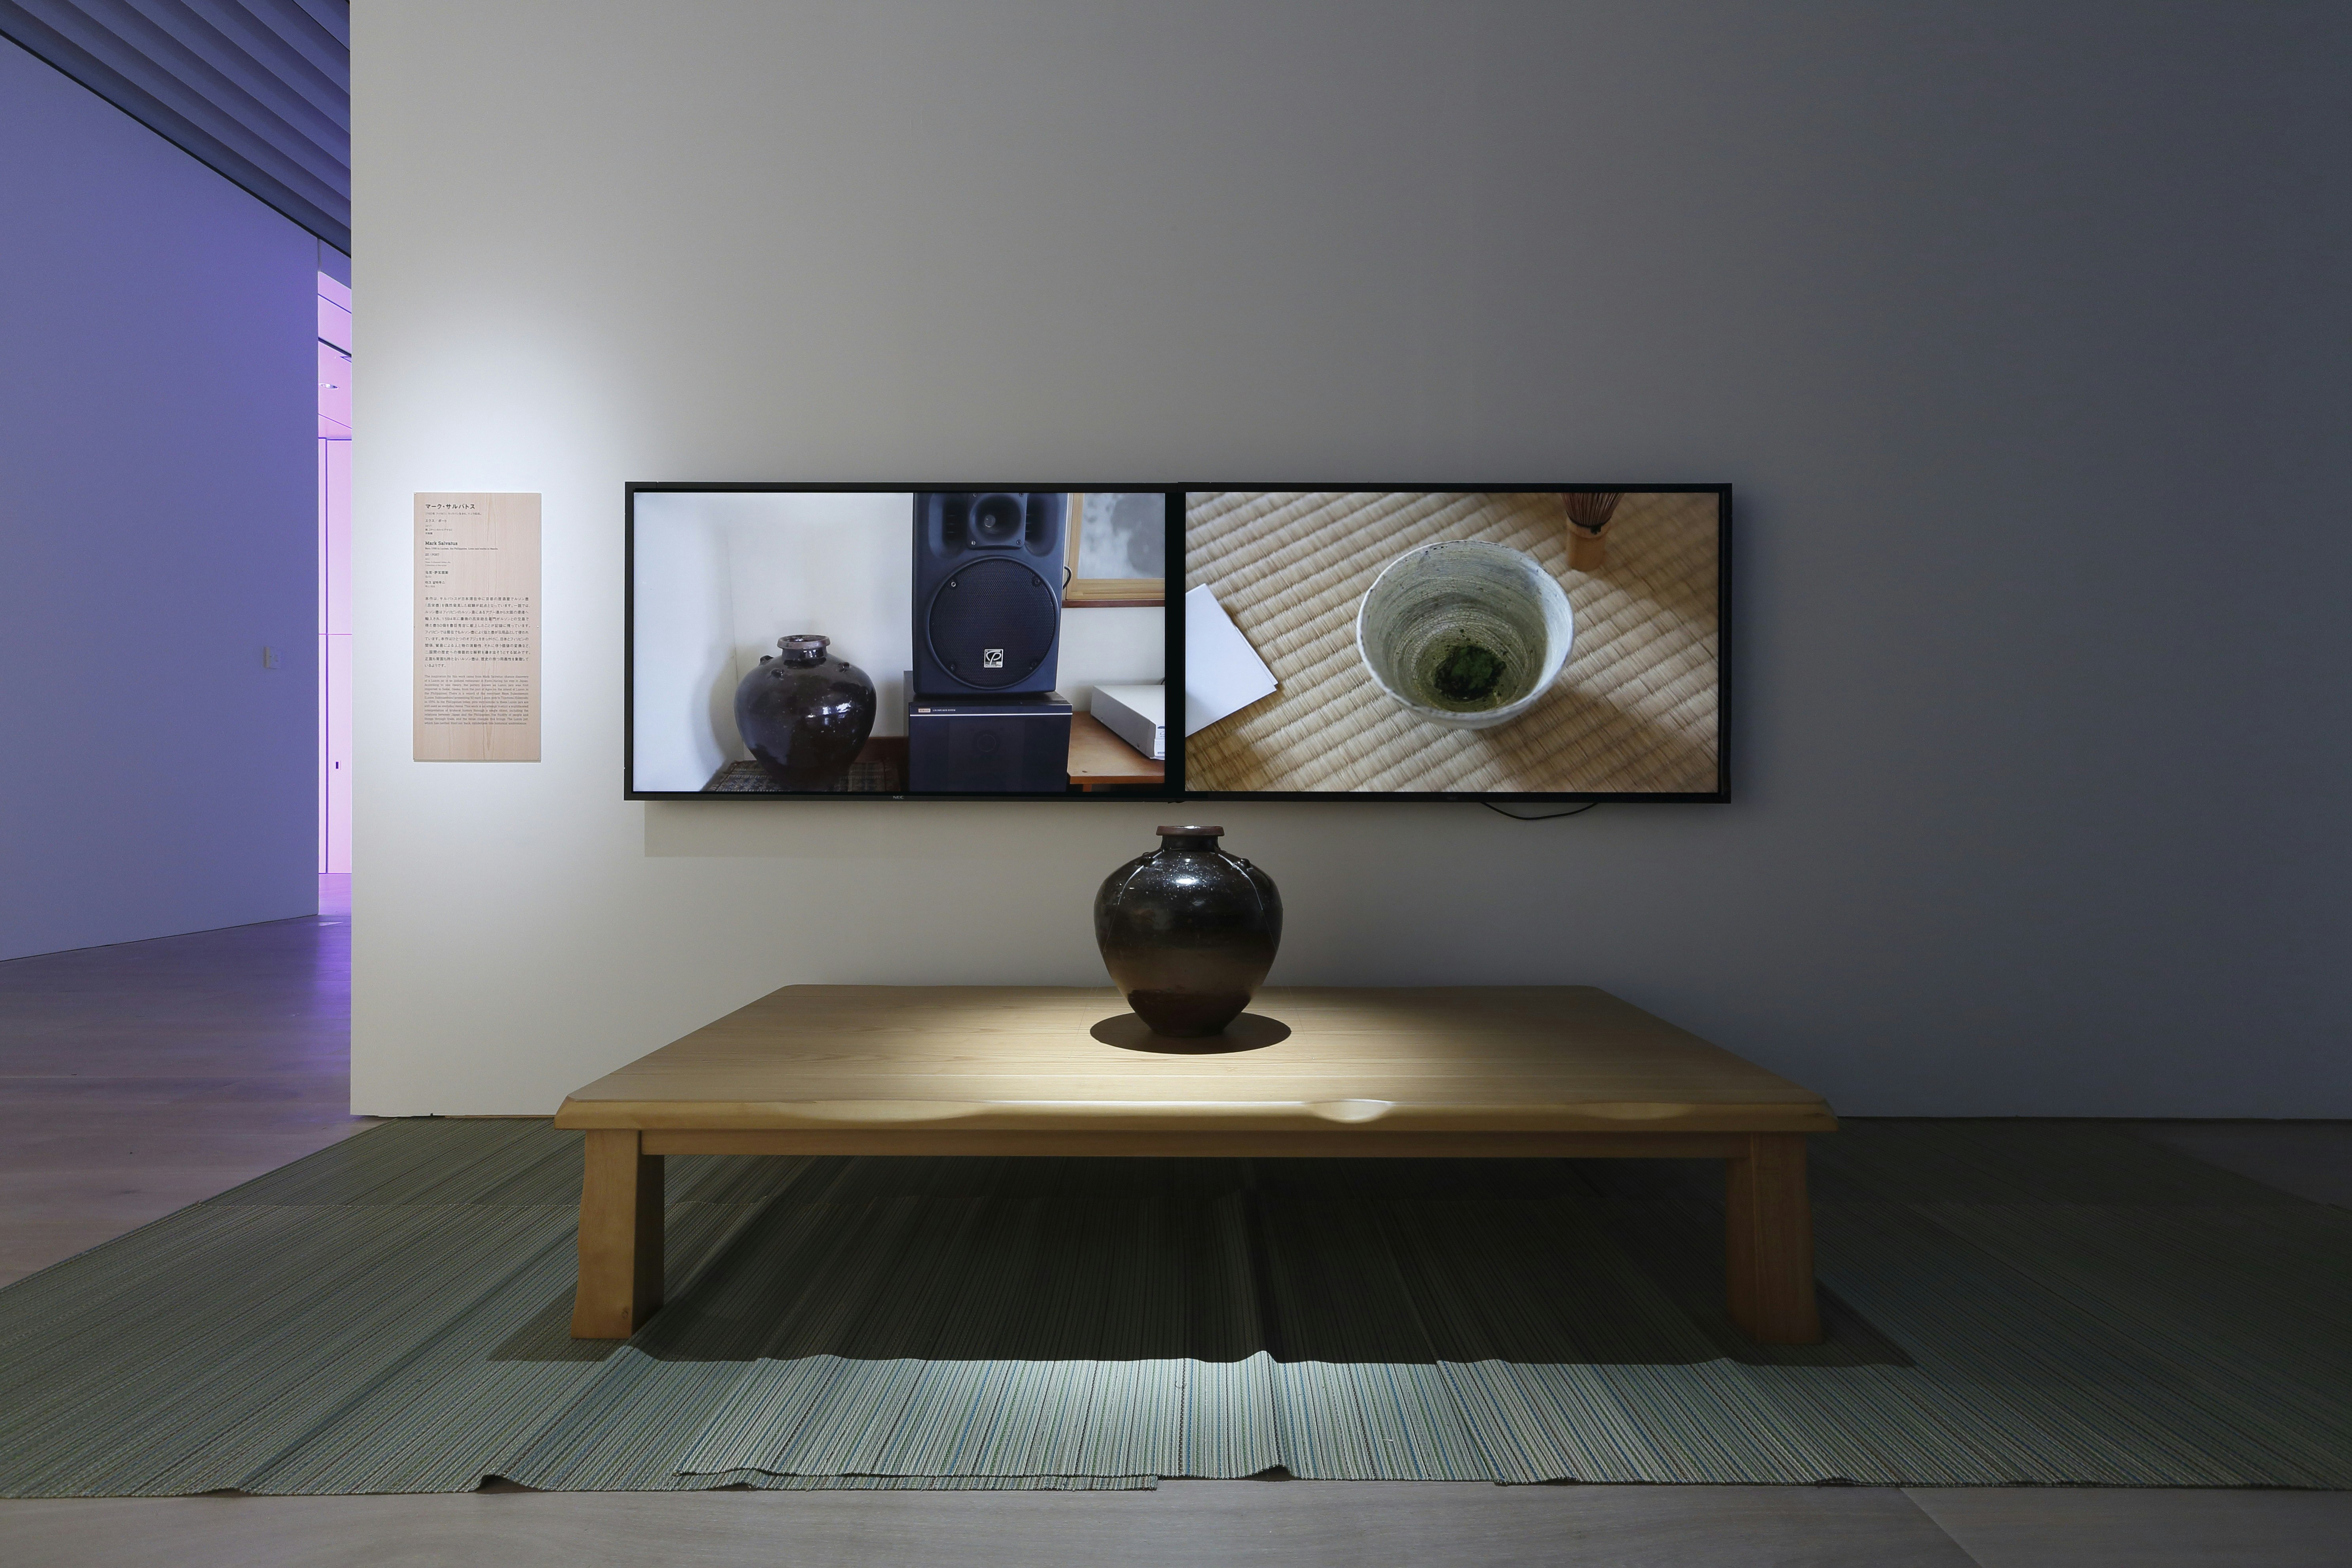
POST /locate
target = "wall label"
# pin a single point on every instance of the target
(477, 692)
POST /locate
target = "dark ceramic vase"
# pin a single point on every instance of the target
(805, 715)
(1188, 932)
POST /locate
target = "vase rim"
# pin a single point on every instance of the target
(804, 648)
(1165, 832)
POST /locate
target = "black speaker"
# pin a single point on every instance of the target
(988, 591)
(987, 745)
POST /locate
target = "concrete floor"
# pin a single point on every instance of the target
(138, 1078)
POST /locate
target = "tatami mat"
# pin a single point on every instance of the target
(1635, 709)
(2007, 1303)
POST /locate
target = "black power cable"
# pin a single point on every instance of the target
(1541, 816)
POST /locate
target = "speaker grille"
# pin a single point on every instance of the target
(992, 623)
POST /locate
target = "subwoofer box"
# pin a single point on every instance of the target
(988, 591)
(987, 745)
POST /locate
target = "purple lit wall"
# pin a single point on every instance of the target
(158, 515)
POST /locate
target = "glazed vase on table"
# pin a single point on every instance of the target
(805, 714)
(1188, 932)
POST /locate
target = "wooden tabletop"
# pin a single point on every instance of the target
(1469, 1059)
(1098, 756)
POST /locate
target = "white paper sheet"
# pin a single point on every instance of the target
(1222, 674)
(477, 627)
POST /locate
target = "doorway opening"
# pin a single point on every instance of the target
(334, 595)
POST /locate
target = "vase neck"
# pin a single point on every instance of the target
(804, 648)
(1189, 837)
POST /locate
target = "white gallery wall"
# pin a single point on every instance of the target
(2019, 329)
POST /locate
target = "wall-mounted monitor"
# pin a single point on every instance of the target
(842, 642)
(793, 641)
(1554, 645)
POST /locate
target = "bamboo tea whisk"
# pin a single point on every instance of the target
(1589, 512)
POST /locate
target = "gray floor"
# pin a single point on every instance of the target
(2310, 1159)
(135, 1079)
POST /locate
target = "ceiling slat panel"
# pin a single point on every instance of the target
(314, 61)
(235, 43)
(259, 89)
(242, 97)
(332, 18)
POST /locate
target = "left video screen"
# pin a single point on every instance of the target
(797, 641)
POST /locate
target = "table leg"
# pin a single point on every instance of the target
(1768, 1241)
(620, 1237)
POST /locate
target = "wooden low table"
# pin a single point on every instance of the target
(1483, 1071)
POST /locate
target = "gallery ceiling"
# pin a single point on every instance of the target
(259, 89)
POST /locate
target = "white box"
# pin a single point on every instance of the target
(1135, 715)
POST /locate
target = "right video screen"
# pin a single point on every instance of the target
(1501, 644)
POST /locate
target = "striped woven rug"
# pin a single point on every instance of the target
(2008, 1302)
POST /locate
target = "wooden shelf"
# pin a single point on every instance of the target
(1098, 757)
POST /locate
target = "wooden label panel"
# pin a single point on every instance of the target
(477, 692)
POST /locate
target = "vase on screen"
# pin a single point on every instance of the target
(1188, 932)
(805, 714)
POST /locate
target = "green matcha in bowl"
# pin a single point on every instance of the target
(1464, 634)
